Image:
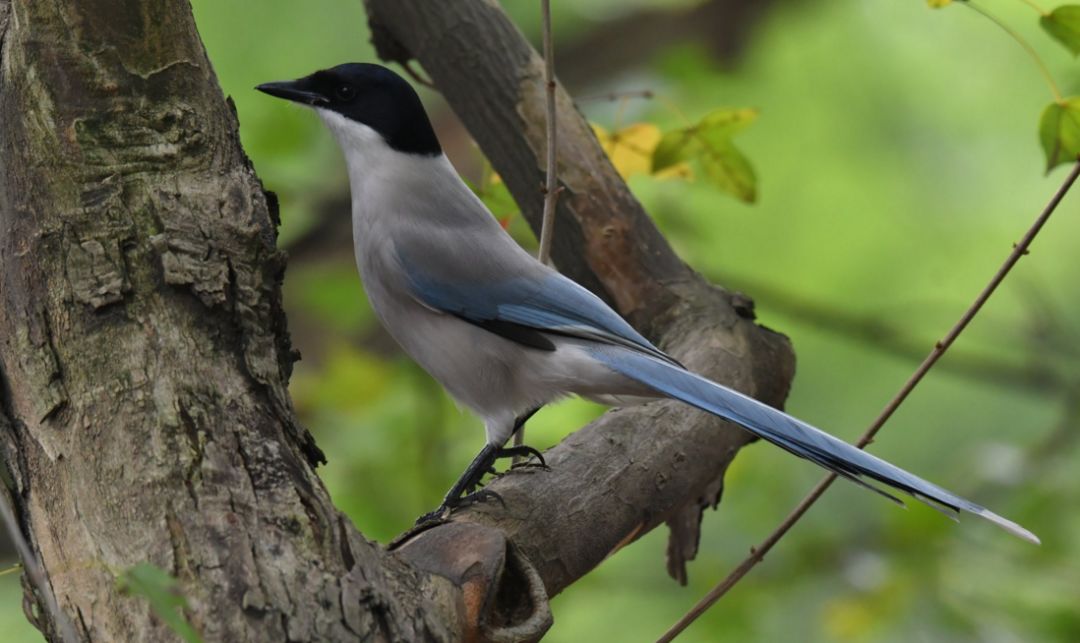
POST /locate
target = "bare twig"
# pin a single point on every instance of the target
(551, 194)
(551, 191)
(757, 554)
(64, 627)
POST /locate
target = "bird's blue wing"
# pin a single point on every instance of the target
(528, 308)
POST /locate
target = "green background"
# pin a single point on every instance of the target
(898, 161)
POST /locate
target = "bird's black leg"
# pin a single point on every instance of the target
(466, 482)
(483, 463)
(523, 418)
(522, 450)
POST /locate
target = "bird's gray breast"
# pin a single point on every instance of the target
(482, 371)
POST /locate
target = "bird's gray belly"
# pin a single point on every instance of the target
(479, 369)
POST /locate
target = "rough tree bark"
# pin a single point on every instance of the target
(144, 358)
(144, 351)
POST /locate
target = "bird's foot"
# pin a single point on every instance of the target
(464, 492)
(450, 505)
(480, 496)
(523, 451)
(432, 518)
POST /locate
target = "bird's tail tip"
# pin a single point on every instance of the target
(1010, 526)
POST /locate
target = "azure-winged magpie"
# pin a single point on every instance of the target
(502, 332)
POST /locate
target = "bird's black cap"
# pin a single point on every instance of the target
(369, 94)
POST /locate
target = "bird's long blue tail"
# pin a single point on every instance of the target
(788, 432)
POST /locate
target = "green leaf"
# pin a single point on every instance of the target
(938, 4)
(708, 145)
(1059, 132)
(166, 601)
(1063, 24)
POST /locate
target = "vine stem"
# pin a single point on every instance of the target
(1054, 89)
(757, 554)
(551, 190)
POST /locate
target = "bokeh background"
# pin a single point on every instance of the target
(897, 159)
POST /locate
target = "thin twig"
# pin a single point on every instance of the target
(61, 622)
(551, 194)
(1054, 89)
(757, 554)
(551, 191)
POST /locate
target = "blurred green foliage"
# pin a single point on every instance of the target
(897, 156)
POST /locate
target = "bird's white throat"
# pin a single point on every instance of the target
(387, 181)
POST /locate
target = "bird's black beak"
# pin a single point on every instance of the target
(300, 91)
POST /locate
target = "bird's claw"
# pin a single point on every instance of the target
(469, 489)
(522, 451)
(526, 464)
(433, 518)
(482, 495)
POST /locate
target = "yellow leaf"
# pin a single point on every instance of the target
(937, 4)
(630, 149)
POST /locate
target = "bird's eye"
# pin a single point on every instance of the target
(345, 92)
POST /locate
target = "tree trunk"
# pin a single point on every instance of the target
(144, 351)
(144, 358)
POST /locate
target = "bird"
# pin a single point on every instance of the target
(502, 332)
